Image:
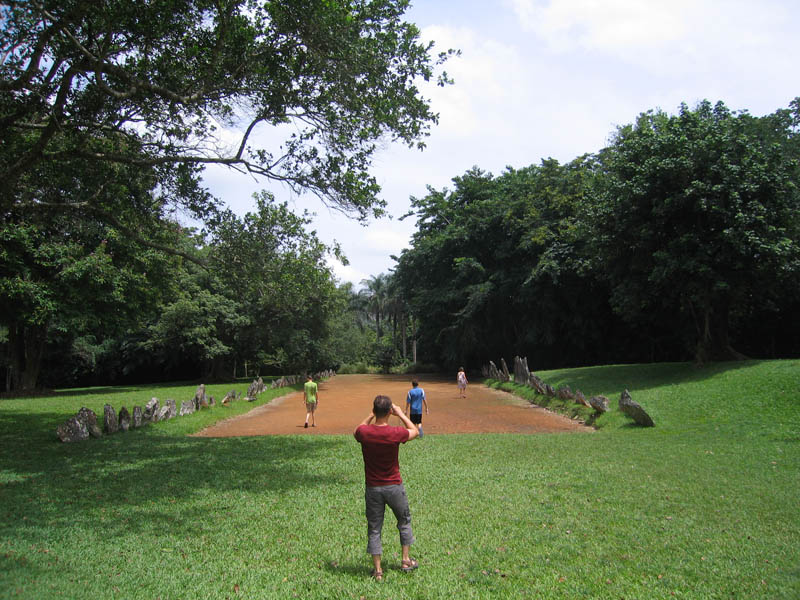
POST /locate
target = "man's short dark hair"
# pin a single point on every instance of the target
(382, 406)
(414, 383)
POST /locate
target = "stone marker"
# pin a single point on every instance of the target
(580, 398)
(124, 419)
(72, 430)
(173, 410)
(87, 416)
(634, 410)
(565, 393)
(110, 424)
(187, 407)
(599, 403)
(199, 395)
(137, 420)
(150, 414)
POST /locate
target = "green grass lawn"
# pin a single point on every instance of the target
(704, 505)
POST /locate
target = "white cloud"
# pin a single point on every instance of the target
(611, 25)
(347, 273)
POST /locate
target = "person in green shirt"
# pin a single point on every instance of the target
(311, 397)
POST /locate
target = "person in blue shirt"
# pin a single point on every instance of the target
(415, 401)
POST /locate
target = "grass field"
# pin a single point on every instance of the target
(704, 505)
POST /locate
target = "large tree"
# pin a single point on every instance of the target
(697, 224)
(310, 85)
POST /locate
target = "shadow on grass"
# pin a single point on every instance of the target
(157, 482)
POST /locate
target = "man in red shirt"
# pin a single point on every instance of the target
(380, 443)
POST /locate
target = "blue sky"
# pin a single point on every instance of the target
(554, 78)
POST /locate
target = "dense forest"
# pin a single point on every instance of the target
(109, 113)
(680, 240)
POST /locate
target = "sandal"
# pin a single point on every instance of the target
(377, 575)
(409, 565)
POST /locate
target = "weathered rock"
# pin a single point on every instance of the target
(173, 409)
(110, 424)
(521, 373)
(580, 398)
(634, 410)
(169, 410)
(537, 384)
(565, 393)
(199, 395)
(252, 391)
(87, 416)
(599, 403)
(138, 418)
(124, 419)
(72, 430)
(150, 414)
(504, 366)
(548, 389)
(187, 408)
(493, 372)
(211, 401)
(203, 403)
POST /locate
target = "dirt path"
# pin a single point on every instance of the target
(345, 400)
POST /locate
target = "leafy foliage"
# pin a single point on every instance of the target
(697, 221)
(671, 243)
(154, 83)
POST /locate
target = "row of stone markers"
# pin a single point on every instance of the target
(84, 425)
(523, 376)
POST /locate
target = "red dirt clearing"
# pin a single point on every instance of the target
(345, 400)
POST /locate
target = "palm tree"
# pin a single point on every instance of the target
(376, 293)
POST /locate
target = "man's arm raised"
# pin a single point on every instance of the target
(412, 429)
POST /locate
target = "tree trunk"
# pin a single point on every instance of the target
(404, 326)
(713, 340)
(26, 345)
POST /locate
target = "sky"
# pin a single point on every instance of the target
(541, 79)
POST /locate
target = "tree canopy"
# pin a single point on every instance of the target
(310, 85)
(671, 243)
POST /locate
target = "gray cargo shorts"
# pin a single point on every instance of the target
(376, 499)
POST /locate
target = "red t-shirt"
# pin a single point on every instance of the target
(379, 446)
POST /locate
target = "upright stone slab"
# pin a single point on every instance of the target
(634, 410)
(110, 424)
(504, 366)
(138, 417)
(90, 419)
(124, 419)
(199, 395)
(580, 398)
(150, 414)
(187, 408)
(172, 409)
